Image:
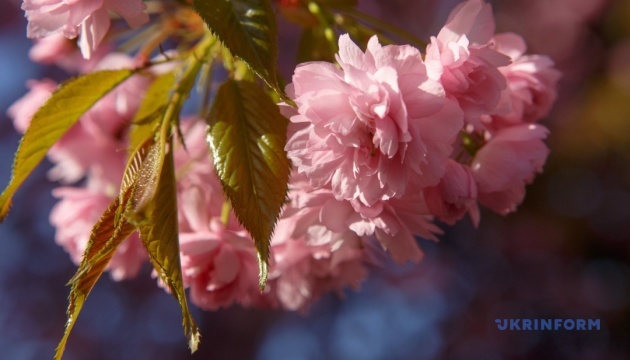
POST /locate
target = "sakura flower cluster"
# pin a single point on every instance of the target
(398, 139)
(382, 144)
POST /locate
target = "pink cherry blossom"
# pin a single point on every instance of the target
(220, 266)
(309, 258)
(455, 195)
(506, 163)
(462, 59)
(531, 82)
(373, 127)
(88, 19)
(392, 223)
(303, 271)
(74, 216)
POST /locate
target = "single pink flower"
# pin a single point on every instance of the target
(219, 266)
(373, 127)
(392, 223)
(88, 19)
(455, 195)
(462, 59)
(506, 163)
(303, 271)
(532, 82)
(74, 216)
(310, 258)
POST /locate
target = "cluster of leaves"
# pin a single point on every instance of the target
(246, 134)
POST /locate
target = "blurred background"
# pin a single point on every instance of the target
(564, 254)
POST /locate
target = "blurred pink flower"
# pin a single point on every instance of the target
(88, 19)
(101, 129)
(532, 81)
(94, 143)
(506, 163)
(309, 258)
(50, 49)
(455, 195)
(462, 59)
(57, 50)
(373, 127)
(74, 216)
(83, 151)
(23, 109)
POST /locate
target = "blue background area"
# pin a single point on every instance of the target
(563, 255)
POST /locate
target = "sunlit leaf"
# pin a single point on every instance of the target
(156, 216)
(106, 236)
(247, 135)
(145, 185)
(248, 29)
(152, 107)
(52, 120)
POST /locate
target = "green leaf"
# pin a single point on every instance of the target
(50, 123)
(247, 135)
(106, 236)
(248, 29)
(155, 213)
(151, 109)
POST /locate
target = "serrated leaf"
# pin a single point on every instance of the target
(136, 163)
(105, 238)
(248, 29)
(50, 123)
(156, 215)
(247, 135)
(145, 186)
(127, 188)
(107, 234)
(152, 107)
